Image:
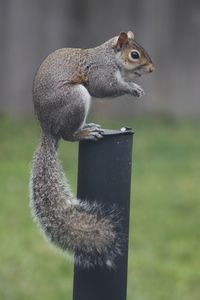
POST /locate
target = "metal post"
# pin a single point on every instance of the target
(104, 175)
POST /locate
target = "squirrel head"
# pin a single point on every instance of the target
(131, 56)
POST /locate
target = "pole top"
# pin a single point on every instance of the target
(123, 130)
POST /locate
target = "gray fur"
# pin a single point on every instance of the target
(67, 222)
(61, 95)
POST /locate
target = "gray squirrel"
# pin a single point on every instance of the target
(62, 90)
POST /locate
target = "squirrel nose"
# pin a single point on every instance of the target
(150, 68)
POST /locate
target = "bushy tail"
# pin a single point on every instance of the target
(69, 223)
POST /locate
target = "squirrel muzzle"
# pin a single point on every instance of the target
(150, 68)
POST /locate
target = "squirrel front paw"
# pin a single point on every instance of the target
(136, 90)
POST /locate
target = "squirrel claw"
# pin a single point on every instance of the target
(95, 136)
(137, 91)
(91, 131)
(92, 125)
(94, 132)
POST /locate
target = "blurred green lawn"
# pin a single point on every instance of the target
(164, 254)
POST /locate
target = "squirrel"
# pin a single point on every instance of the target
(62, 90)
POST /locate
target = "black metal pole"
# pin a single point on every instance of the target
(104, 175)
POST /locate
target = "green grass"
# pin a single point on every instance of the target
(164, 256)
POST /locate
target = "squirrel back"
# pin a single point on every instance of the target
(62, 92)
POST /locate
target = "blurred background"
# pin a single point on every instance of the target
(164, 256)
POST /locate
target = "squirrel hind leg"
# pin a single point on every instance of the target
(74, 112)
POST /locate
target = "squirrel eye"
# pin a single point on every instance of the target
(135, 55)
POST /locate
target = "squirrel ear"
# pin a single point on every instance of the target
(121, 41)
(131, 35)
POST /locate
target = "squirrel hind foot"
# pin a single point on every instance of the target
(89, 132)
